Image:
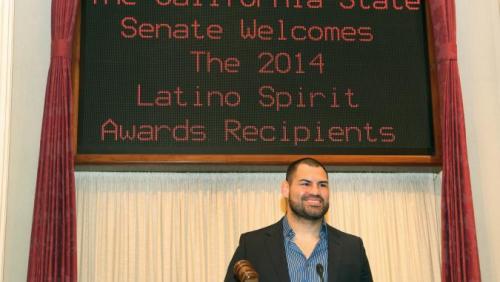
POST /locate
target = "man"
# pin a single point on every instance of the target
(301, 246)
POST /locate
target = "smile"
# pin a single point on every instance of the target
(314, 202)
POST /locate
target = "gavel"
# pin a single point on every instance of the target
(245, 272)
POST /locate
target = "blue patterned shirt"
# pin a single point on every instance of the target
(300, 268)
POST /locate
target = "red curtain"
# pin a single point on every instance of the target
(460, 260)
(53, 235)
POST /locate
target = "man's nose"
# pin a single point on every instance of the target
(314, 189)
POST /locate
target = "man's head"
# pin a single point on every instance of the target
(306, 189)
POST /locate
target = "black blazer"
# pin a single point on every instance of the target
(265, 249)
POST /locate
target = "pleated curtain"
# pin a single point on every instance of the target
(459, 243)
(186, 226)
(53, 232)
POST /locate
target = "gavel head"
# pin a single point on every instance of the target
(245, 272)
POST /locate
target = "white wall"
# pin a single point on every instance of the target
(478, 57)
(479, 44)
(31, 59)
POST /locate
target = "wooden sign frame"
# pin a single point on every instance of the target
(234, 160)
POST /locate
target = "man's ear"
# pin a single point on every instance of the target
(285, 189)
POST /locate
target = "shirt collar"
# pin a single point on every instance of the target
(289, 234)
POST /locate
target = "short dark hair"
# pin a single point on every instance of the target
(308, 161)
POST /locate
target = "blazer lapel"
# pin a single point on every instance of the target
(276, 251)
(334, 255)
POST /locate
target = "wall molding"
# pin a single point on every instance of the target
(6, 46)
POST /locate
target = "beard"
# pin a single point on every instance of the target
(308, 213)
